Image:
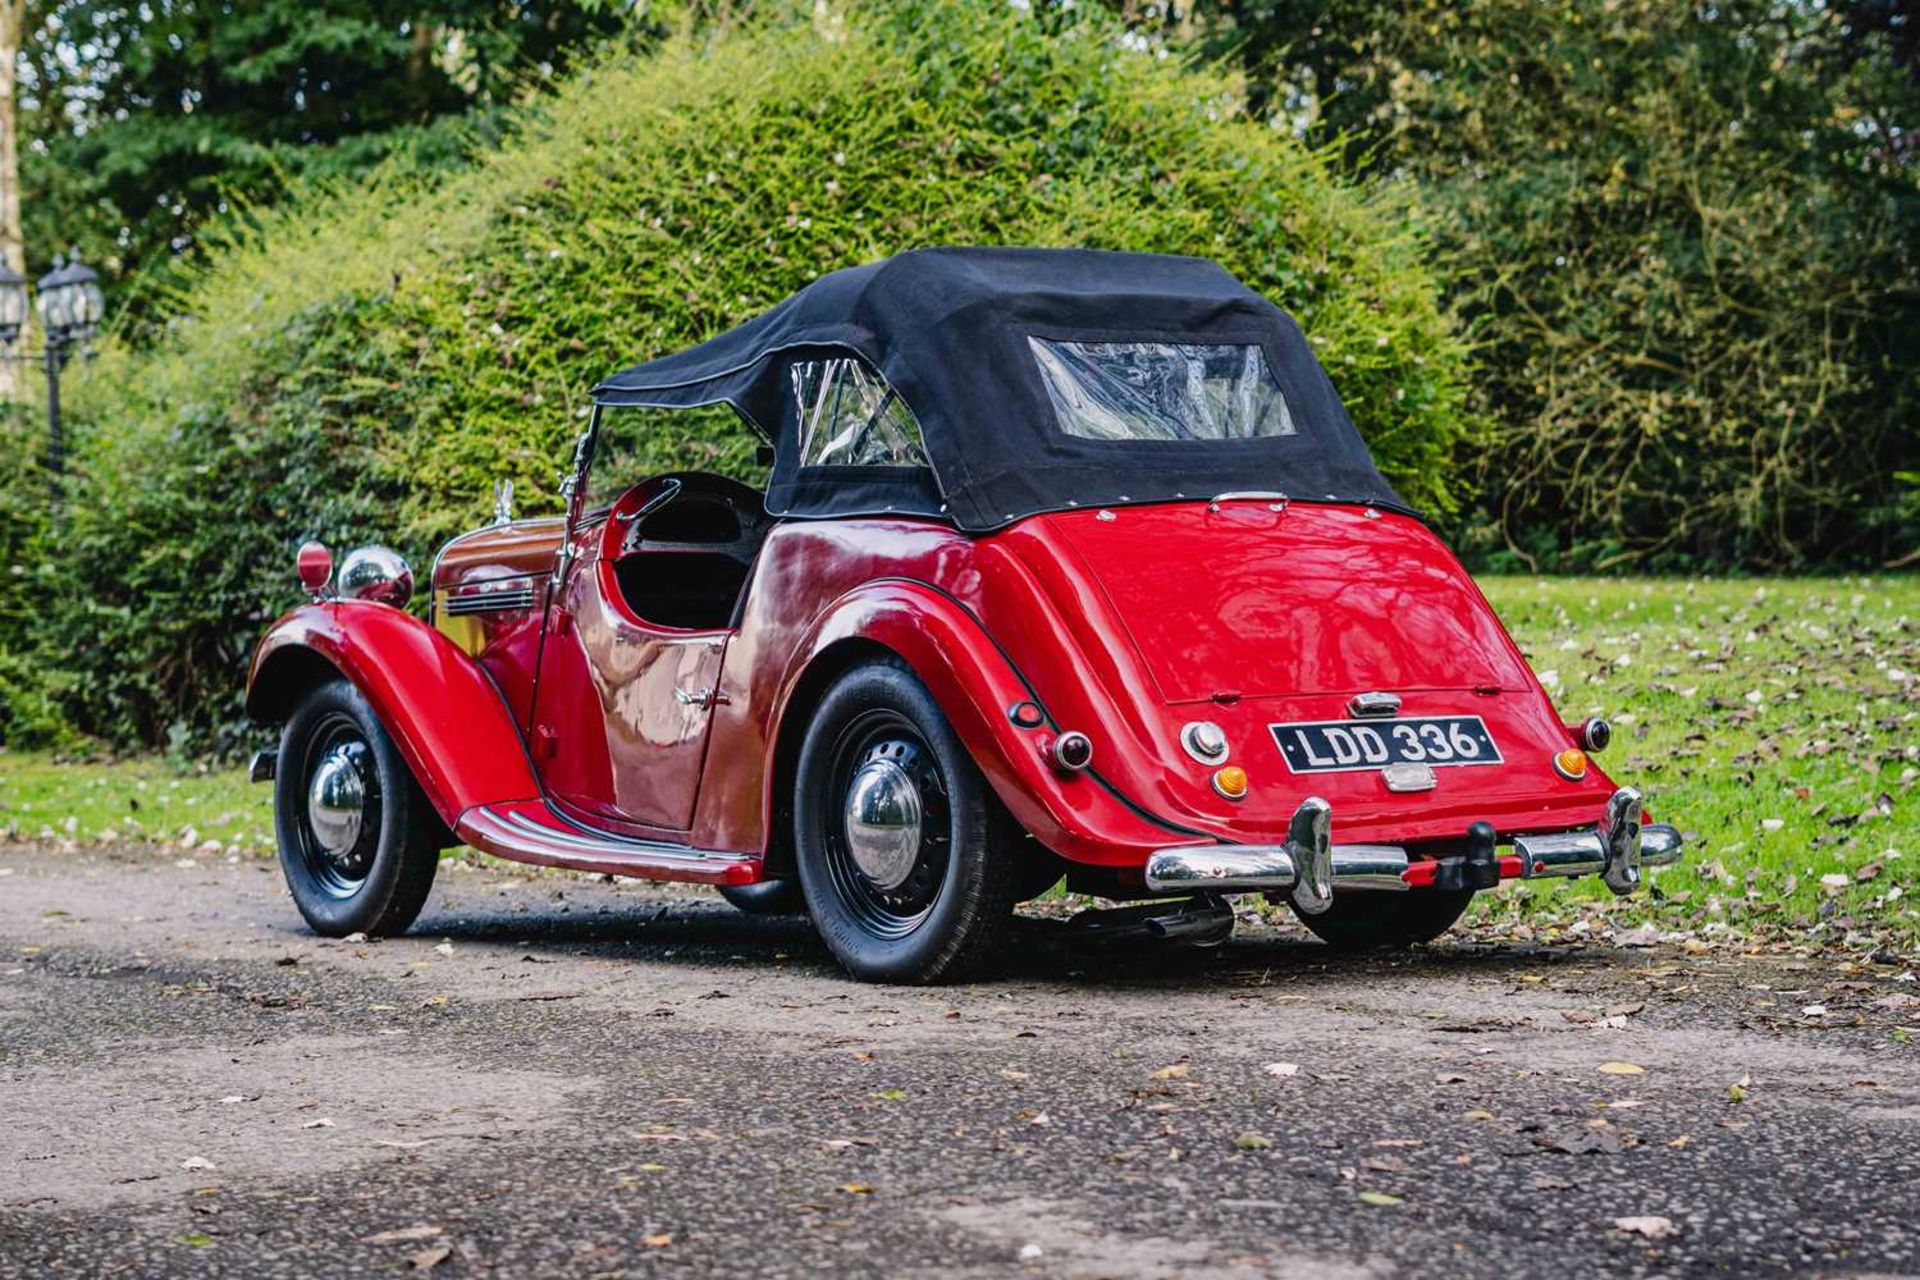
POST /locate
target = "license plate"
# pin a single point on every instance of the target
(1338, 746)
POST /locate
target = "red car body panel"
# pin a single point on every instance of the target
(449, 720)
(1122, 624)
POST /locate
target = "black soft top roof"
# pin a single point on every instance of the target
(948, 329)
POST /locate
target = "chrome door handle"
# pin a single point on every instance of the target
(702, 698)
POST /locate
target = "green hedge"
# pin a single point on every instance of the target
(1686, 237)
(368, 362)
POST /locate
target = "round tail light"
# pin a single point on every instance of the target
(1071, 752)
(1595, 734)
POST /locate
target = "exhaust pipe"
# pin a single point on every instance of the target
(1204, 920)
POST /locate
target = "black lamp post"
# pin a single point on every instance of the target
(70, 309)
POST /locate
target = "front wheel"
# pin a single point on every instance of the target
(905, 855)
(359, 842)
(1357, 921)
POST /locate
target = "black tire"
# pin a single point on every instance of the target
(1358, 921)
(378, 883)
(768, 898)
(944, 908)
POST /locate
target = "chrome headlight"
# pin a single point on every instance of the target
(378, 574)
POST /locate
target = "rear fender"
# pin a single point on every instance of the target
(449, 721)
(1078, 816)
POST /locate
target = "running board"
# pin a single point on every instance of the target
(529, 831)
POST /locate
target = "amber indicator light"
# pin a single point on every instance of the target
(1571, 764)
(1230, 782)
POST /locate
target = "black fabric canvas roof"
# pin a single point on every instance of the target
(948, 329)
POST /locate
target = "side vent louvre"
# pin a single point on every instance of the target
(490, 602)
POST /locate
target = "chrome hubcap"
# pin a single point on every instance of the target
(337, 800)
(883, 820)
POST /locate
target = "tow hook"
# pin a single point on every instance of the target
(1477, 868)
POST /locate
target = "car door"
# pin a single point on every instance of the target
(624, 703)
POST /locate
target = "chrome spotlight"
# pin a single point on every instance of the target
(377, 574)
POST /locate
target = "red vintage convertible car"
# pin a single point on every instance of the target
(1070, 564)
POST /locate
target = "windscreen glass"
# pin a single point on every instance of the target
(850, 417)
(1120, 391)
(635, 443)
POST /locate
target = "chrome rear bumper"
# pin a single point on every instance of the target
(1311, 868)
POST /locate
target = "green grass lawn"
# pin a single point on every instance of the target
(1776, 721)
(147, 800)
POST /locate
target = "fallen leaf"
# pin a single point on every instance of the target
(1380, 1198)
(402, 1235)
(1653, 1228)
(1282, 1069)
(1582, 1141)
(1178, 1071)
(660, 1241)
(1622, 1069)
(1251, 1141)
(857, 1188)
(196, 1162)
(445, 949)
(321, 1123)
(1449, 1077)
(429, 1257)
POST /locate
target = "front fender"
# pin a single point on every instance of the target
(449, 721)
(1078, 816)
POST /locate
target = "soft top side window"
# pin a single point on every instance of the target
(1125, 391)
(850, 417)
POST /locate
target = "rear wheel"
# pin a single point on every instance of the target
(905, 856)
(1357, 921)
(359, 842)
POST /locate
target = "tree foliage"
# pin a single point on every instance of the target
(1685, 236)
(366, 363)
(144, 118)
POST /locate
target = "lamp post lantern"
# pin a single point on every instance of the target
(71, 306)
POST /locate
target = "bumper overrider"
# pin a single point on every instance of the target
(1311, 868)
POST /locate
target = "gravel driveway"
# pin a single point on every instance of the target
(555, 1075)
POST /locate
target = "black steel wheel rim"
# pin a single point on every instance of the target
(342, 873)
(887, 912)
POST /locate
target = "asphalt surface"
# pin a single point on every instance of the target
(560, 1076)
